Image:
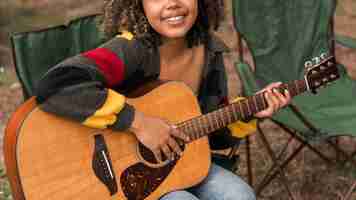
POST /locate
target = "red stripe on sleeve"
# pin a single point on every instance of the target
(109, 64)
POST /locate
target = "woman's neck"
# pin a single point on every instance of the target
(172, 49)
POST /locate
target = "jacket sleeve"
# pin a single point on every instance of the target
(79, 88)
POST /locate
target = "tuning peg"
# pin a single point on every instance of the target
(322, 67)
(317, 84)
(314, 72)
(330, 64)
(308, 64)
(316, 60)
(332, 76)
(325, 80)
(323, 56)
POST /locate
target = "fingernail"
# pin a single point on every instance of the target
(274, 90)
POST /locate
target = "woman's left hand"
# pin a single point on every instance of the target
(275, 100)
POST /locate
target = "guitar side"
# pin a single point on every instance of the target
(52, 157)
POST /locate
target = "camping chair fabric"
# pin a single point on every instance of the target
(282, 36)
(35, 51)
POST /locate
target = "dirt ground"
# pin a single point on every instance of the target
(309, 177)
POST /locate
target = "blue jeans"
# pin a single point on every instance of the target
(220, 184)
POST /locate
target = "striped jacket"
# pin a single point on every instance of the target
(91, 87)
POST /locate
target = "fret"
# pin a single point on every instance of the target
(190, 130)
(206, 124)
(245, 110)
(262, 100)
(210, 122)
(241, 110)
(245, 102)
(222, 118)
(185, 128)
(201, 127)
(229, 114)
(252, 105)
(234, 112)
(210, 126)
(216, 120)
(195, 128)
(225, 117)
(254, 98)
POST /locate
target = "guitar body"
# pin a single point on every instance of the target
(51, 158)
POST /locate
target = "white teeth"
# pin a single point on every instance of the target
(175, 18)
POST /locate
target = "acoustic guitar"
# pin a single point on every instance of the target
(51, 158)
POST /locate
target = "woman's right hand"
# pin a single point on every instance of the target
(158, 135)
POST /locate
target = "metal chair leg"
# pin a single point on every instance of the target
(248, 157)
(274, 159)
(268, 177)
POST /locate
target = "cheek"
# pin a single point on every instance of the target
(152, 12)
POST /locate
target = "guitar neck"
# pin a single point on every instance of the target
(241, 110)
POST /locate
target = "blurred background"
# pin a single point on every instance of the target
(28, 15)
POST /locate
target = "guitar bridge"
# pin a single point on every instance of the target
(102, 165)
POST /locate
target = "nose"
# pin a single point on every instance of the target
(173, 4)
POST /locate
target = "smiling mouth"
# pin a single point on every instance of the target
(175, 19)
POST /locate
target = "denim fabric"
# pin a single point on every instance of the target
(220, 184)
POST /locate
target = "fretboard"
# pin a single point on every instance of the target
(241, 110)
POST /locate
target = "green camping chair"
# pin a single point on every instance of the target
(34, 52)
(282, 36)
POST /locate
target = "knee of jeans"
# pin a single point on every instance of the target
(179, 195)
(245, 193)
(248, 195)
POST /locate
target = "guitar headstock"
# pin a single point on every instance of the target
(320, 73)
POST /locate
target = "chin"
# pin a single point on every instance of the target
(174, 34)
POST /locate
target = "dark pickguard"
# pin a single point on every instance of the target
(139, 181)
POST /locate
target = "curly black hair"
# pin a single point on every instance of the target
(129, 15)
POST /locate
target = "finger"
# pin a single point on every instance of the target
(270, 102)
(167, 151)
(179, 134)
(270, 87)
(269, 110)
(274, 102)
(287, 96)
(282, 101)
(157, 154)
(174, 146)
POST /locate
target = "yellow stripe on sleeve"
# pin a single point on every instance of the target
(241, 129)
(126, 34)
(106, 115)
